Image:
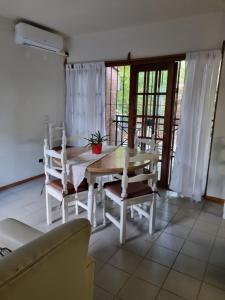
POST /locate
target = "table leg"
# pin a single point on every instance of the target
(91, 181)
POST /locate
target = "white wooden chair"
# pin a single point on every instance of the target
(149, 143)
(55, 133)
(59, 187)
(131, 192)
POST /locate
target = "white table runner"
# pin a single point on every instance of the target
(79, 164)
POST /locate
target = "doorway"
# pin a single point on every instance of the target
(144, 99)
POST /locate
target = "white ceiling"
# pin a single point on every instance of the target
(73, 17)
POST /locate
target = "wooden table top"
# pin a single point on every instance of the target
(72, 152)
(113, 162)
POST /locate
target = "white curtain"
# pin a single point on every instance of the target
(85, 100)
(193, 144)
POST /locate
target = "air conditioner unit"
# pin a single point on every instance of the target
(32, 36)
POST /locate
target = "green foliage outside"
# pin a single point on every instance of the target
(122, 107)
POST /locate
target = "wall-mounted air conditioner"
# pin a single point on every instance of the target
(32, 36)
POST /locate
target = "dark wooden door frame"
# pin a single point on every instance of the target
(169, 110)
(168, 123)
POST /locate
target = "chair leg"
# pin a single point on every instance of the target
(94, 212)
(64, 211)
(132, 212)
(48, 208)
(76, 207)
(104, 207)
(99, 184)
(140, 215)
(152, 216)
(123, 214)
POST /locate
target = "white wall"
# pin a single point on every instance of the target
(31, 86)
(216, 180)
(171, 37)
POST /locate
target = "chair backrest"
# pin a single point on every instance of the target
(148, 158)
(149, 143)
(50, 170)
(55, 133)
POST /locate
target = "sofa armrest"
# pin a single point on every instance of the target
(53, 266)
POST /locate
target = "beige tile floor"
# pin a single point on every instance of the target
(184, 259)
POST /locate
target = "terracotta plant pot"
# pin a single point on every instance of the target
(96, 148)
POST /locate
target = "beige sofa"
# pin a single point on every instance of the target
(49, 266)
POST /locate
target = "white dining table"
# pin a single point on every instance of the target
(109, 163)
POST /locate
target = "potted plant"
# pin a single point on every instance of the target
(95, 141)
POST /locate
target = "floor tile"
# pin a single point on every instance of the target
(210, 218)
(209, 292)
(98, 265)
(162, 255)
(102, 250)
(190, 266)
(183, 220)
(125, 260)
(136, 289)
(35, 218)
(139, 246)
(100, 294)
(170, 241)
(199, 223)
(215, 276)
(206, 227)
(111, 279)
(152, 272)
(196, 250)
(217, 258)
(219, 243)
(109, 234)
(221, 231)
(178, 230)
(164, 215)
(188, 213)
(160, 224)
(182, 285)
(165, 295)
(201, 238)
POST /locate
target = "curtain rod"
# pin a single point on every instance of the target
(142, 59)
(85, 62)
(133, 60)
(205, 50)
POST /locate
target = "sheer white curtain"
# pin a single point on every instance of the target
(193, 144)
(85, 100)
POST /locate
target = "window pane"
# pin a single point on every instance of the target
(151, 81)
(160, 106)
(162, 81)
(141, 78)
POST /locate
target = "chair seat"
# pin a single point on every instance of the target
(57, 184)
(135, 189)
(59, 148)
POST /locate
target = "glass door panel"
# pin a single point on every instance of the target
(151, 98)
